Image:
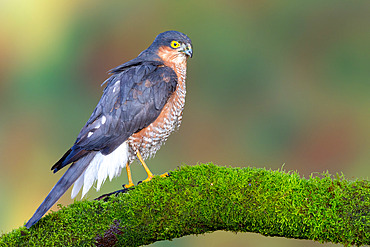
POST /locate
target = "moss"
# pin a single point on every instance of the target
(205, 198)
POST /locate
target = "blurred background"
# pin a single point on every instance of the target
(271, 83)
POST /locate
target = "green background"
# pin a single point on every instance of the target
(271, 83)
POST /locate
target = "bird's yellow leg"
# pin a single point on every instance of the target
(129, 176)
(150, 174)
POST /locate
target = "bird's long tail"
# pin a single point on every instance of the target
(69, 177)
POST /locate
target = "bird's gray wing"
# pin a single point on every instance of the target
(132, 99)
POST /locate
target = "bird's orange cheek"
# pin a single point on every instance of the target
(166, 53)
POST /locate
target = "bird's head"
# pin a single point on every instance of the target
(172, 46)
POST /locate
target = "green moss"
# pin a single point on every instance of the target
(205, 198)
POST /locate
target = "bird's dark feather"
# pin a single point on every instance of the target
(133, 98)
(58, 164)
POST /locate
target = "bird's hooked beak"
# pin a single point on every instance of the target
(187, 49)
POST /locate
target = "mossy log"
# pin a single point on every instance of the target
(205, 198)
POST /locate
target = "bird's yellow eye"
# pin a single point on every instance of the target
(175, 44)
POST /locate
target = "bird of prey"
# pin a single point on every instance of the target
(141, 106)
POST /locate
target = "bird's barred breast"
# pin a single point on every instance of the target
(150, 139)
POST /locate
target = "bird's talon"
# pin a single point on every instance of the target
(148, 178)
(129, 185)
(166, 174)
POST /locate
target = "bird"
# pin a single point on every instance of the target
(141, 105)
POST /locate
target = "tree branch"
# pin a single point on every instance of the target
(206, 198)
